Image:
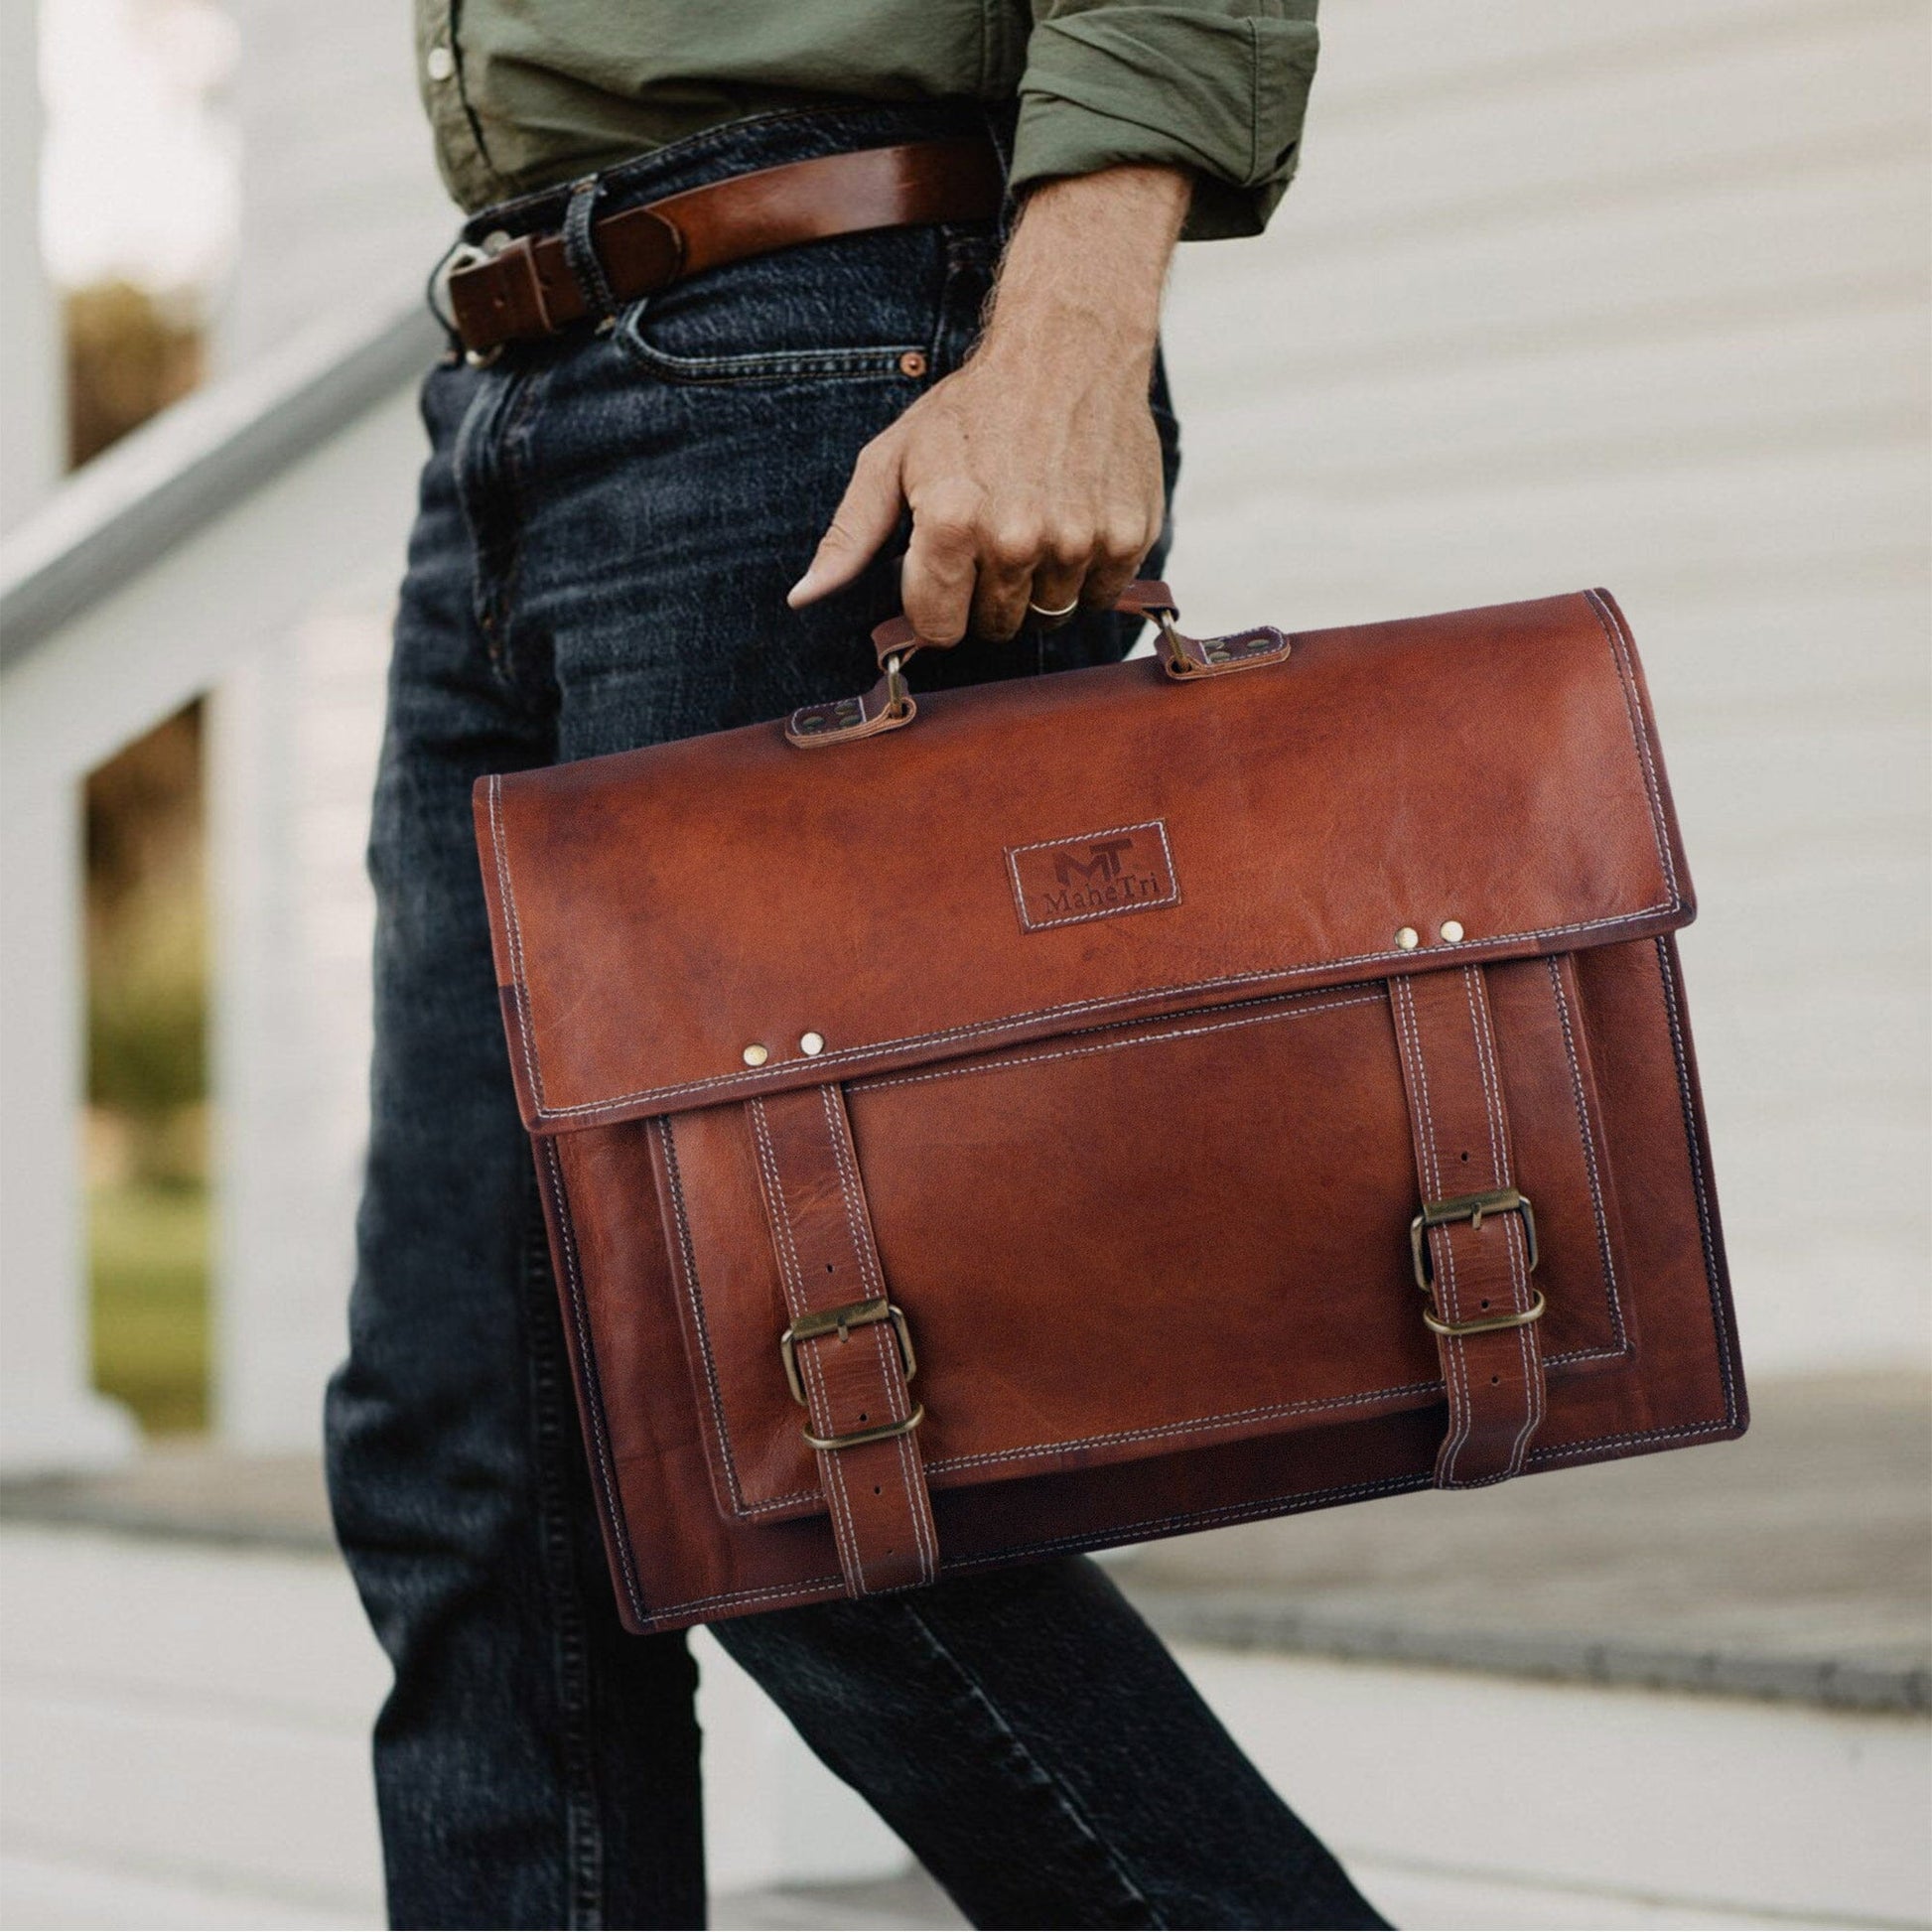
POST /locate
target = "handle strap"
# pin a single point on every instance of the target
(890, 704)
(1146, 597)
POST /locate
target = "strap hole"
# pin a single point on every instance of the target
(1465, 1157)
(1493, 1380)
(861, 1412)
(1485, 1301)
(877, 1491)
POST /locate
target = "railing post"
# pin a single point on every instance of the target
(50, 1414)
(203, 536)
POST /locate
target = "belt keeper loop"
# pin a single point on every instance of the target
(580, 254)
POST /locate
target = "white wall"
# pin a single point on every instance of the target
(1636, 296)
(340, 198)
(1564, 296)
(32, 407)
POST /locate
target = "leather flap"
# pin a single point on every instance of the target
(685, 924)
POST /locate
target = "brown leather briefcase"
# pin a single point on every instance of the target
(1088, 1108)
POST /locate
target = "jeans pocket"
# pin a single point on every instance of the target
(864, 306)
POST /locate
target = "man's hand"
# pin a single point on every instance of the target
(1033, 474)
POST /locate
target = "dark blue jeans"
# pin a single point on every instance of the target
(607, 529)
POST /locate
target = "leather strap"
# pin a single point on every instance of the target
(854, 1378)
(1480, 1265)
(896, 637)
(527, 291)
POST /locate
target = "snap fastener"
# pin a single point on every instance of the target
(811, 1045)
(1452, 930)
(439, 64)
(1408, 938)
(913, 362)
(756, 1056)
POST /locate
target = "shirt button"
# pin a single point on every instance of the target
(440, 65)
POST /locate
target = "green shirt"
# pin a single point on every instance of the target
(526, 94)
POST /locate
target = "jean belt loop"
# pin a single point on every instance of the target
(580, 252)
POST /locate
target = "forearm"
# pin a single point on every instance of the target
(1087, 261)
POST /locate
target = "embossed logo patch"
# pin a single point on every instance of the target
(1125, 869)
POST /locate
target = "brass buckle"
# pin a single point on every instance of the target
(844, 1319)
(1471, 1208)
(882, 1433)
(1489, 1323)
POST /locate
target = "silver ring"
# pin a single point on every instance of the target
(1054, 617)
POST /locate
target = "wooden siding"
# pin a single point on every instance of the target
(1637, 297)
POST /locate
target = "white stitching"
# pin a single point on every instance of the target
(1705, 1231)
(1304, 1004)
(767, 1081)
(795, 1589)
(1482, 1021)
(762, 1082)
(1588, 1137)
(1619, 650)
(1103, 1538)
(1155, 825)
(898, 1399)
(1284, 1505)
(695, 1286)
(688, 1269)
(838, 1502)
(513, 932)
(1557, 1450)
(608, 1481)
(1306, 1405)
(1110, 1046)
(1455, 1368)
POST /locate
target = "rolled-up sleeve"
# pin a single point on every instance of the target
(1216, 87)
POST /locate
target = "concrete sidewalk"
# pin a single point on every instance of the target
(1701, 1678)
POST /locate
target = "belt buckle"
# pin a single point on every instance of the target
(1471, 1208)
(844, 1319)
(465, 254)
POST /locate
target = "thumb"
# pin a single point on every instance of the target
(868, 513)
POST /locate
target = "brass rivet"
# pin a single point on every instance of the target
(913, 363)
(756, 1056)
(1452, 930)
(1408, 938)
(811, 1045)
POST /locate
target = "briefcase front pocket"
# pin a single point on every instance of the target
(1139, 1239)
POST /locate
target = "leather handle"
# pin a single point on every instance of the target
(889, 704)
(896, 637)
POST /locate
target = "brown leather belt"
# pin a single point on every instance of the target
(524, 290)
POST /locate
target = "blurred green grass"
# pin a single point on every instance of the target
(148, 1249)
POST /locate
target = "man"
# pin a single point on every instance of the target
(631, 461)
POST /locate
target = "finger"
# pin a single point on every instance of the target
(1057, 588)
(1008, 559)
(868, 513)
(936, 587)
(1118, 556)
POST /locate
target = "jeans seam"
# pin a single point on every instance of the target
(1062, 1793)
(569, 1649)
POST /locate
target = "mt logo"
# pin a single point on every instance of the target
(1092, 876)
